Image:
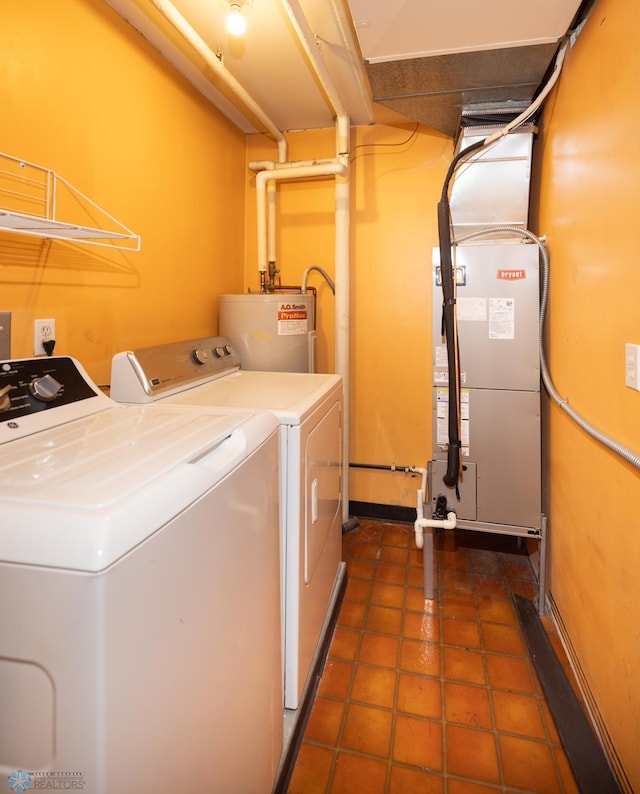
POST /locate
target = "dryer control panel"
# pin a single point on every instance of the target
(146, 374)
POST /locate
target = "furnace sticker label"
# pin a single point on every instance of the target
(441, 359)
(502, 318)
(441, 367)
(472, 309)
(441, 376)
(442, 419)
(292, 318)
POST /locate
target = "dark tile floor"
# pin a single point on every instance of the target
(436, 696)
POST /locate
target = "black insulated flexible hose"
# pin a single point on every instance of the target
(452, 475)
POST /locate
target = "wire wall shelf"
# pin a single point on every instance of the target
(33, 199)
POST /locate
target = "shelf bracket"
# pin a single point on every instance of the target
(29, 204)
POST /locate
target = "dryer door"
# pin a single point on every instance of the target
(323, 469)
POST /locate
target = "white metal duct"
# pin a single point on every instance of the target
(429, 59)
(491, 188)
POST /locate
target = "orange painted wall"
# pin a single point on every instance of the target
(396, 179)
(82, 93)
(589, 173)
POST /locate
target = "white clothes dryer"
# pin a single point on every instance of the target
(139, 566)
(309, 409)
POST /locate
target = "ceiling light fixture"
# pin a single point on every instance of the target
(236, 23)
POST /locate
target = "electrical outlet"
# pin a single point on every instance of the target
(43, 331)
(632, 366)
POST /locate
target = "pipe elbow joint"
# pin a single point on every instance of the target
(450, 521)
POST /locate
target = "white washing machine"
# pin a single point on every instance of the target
(309, 408)
(139, 565)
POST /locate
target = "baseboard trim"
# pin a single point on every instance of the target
(597, 719)
(290, 752)
(380, 512)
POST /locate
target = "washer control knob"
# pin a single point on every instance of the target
(5, 400)
(45, 388)
(219, 351)
(228, 350)
(199, 356)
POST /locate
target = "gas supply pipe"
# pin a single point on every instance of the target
(421, 522)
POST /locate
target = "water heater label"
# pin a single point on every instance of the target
(292, 318)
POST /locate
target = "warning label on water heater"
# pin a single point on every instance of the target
(292, 318)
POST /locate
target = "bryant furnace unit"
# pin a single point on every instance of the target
(497, 305)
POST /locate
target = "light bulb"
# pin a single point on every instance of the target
(236, 24)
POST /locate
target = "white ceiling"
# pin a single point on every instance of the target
(410, 56)
(390, 31)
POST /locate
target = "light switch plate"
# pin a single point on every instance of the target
(632, 366)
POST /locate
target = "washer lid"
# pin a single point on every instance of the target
(82, 494)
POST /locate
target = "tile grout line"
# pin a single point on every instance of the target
(494, 721)
(348, 698)
(398, 671)
(438, 594)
